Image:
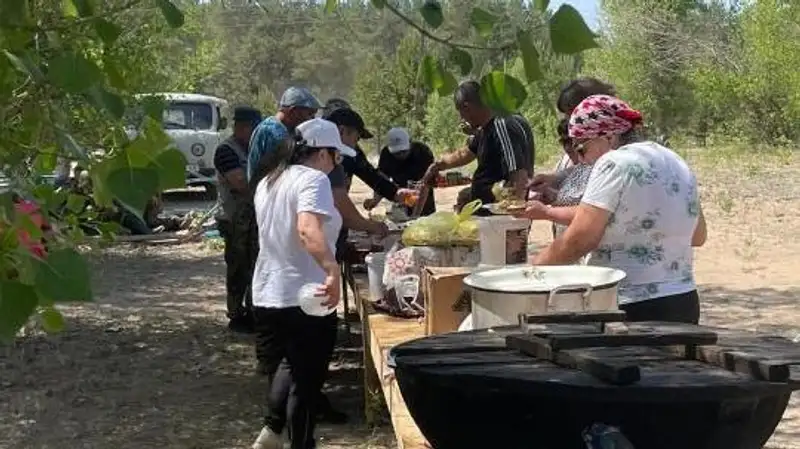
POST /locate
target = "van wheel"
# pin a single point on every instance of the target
(211, 191)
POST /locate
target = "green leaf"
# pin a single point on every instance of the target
(45, 163)
(52, 320)
(14, 13)
(73, 72)
(107, 101)
(449, 83)
(436, 77)
(330, 6)
(462, 59)
(7, 208)
(483, 21)
(502, 92)
(115, 78)
(69, 9)
(432, 13)
(75, 203)
(24, 65)
(171, 13)
(16, 62)
(154, 107)
(17, 303)
(108, 31)
(380, 4)
(64, 276)
(26, 265)
(530, 57)
(541, 5)
(430, 72)
(171, 166)
(569, 33)
(133, 187)
(84, 7)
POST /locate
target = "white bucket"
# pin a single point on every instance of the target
(375, 265)
(504, 240)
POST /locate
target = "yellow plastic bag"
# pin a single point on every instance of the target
(443, 228)
(467, 232)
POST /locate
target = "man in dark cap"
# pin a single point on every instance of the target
(230, 160)
(352, 129)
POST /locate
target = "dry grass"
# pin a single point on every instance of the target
(150, 365)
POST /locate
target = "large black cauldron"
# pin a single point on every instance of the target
(467, 390)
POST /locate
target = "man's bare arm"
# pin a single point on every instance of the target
(351, 217)
(454, 159)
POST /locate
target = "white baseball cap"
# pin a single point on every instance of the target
(320, 133)
(399, 140)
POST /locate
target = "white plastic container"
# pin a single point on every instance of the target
(311, 302)
(499, 296)
(376, 262)
(504, 240)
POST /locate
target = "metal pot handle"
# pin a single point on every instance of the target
(586, 294)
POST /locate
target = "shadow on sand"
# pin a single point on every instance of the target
(151, 365)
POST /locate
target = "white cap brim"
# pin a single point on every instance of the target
(346, 151)
(398, 148)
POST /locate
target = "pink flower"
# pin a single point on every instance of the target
(31, 209)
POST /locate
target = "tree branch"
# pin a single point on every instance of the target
(441, 40)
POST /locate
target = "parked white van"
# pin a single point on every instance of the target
(196, 124)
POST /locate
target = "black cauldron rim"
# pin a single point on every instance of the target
(574, 383)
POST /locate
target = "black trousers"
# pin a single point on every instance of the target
(305, 344)
(680, 308)
(237, 272)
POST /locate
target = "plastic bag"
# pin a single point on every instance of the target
(602, 436)
(443, 228)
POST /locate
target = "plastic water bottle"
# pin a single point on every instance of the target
(310, 300)
(602, 436)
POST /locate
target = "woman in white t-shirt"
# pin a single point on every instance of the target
(640, 213)
(297, 225)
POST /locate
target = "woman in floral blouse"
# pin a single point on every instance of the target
(640, 213)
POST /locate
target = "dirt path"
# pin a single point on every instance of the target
(150, 365)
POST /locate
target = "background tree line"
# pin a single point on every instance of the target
(702, 71)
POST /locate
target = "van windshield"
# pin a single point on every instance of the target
(188, 115)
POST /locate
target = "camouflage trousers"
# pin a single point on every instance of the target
(240, 257)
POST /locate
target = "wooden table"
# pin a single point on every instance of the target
(380, 333)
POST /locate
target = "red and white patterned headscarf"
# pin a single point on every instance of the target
(602, 115)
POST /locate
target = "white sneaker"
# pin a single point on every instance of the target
(268, 439)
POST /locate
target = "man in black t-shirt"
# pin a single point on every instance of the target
(502, 145)
(404, 161)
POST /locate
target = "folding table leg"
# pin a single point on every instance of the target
(346, 275)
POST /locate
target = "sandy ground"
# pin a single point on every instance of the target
(150, 365)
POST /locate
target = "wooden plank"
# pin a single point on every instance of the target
(772, 370)
(631, 338)
(573, 317)
(372, 383)
(757, 356)
(381, 333)
(386, 332)
(616, 372)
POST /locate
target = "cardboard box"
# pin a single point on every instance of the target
(444, 292)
